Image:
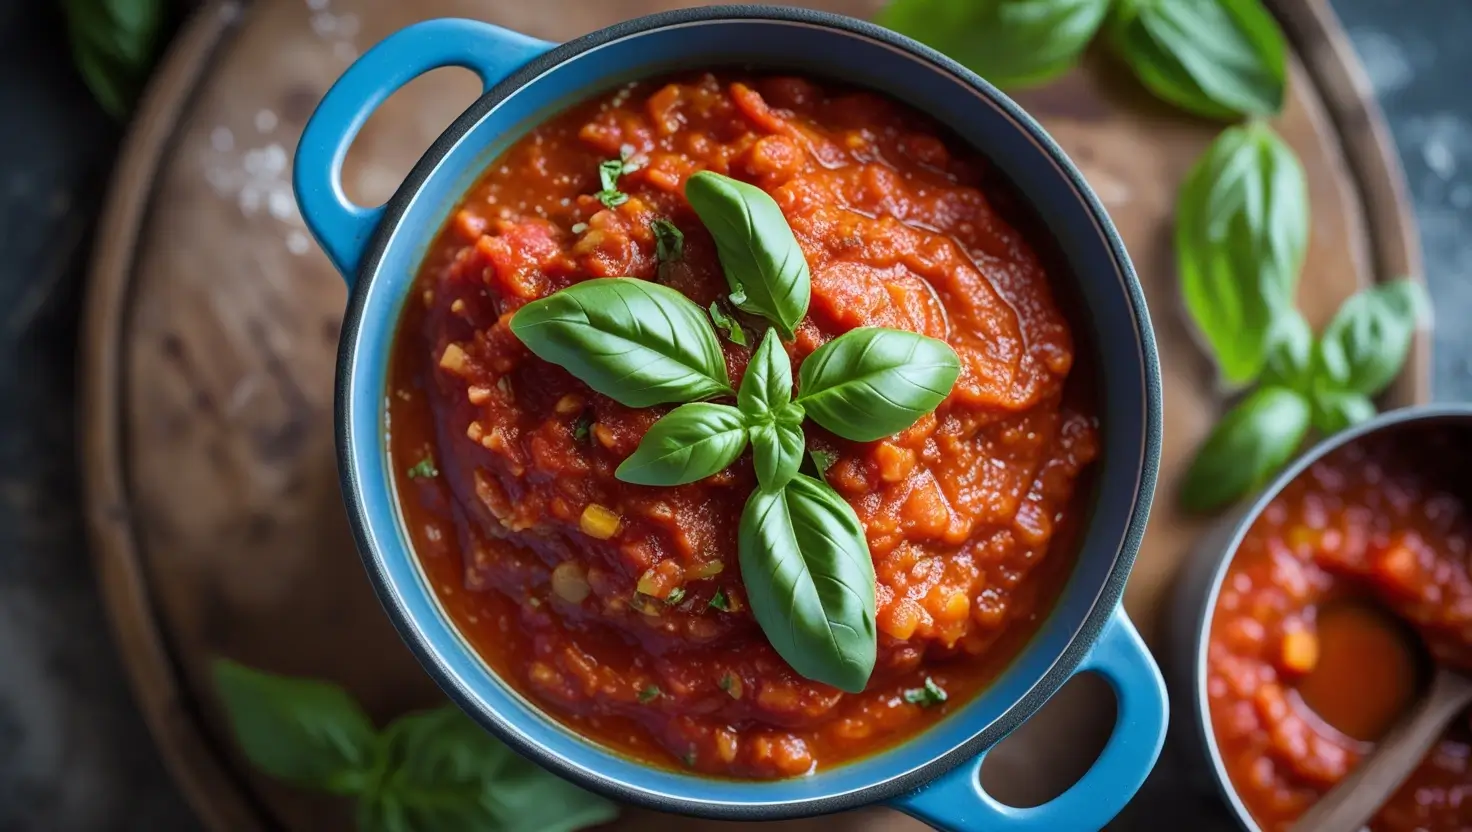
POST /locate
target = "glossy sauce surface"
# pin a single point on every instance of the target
(1304, 671)
(634, 629)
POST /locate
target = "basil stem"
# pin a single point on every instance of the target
(1011, 43)
(1217, 58)
(873, 382)
(763, 263)
(810, 581)
(636, 342)
(693, 442)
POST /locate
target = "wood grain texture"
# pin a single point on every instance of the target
(212, 325)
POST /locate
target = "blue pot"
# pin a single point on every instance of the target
(933, 776)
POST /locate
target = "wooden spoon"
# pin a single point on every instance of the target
(1351, 804)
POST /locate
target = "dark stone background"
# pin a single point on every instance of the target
(74, 754)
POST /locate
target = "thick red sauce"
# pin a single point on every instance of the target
(1304, 671)
(615, 633)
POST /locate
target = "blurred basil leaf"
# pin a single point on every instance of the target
(1365, 346)
(114, 43)
(1241, 234)
(1217, 58)
(1246, 448)
(1289, 361)
(1011, 43)
(1334, 410)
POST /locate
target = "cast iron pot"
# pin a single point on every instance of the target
(1200, 581)
(933, 776)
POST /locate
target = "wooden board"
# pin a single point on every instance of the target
(212, 322)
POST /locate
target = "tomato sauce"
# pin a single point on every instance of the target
(619, 608)
(1314, 652)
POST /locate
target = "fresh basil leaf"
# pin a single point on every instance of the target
(767, 384)
(302, 731)
(691, 443)
(1011, 43)
(114, 43)
(1334, 410)
(1240, 239)
(1365, 346)
(727, 324)
(669, 241)
(636, 342)
(1289, 361)
(1246, 448)
(777, 451)
(763, 263)
(1216, 58)
(822, 461)
(444, 772)
(810, 581)
(872, 382)
(928, 696)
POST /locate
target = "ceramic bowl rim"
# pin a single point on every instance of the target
(1200, 708)
(1083, 638)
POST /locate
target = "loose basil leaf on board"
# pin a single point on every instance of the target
(1365, 346)
(872, 382)
(1246, 448)
(1217, 58)
(1289, 361)
(444, 772)
(114, 43)
(763, 263)
(767, 384)
(1334, 410)
(1011, 43)
(636, 342)
(691, 443)
(1241, 234)
(302, 731)
(776, 449)
(810, 581)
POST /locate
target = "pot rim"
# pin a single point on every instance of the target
(1084, 636)
(1200, 707)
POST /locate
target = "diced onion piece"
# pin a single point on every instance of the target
(599, 522)
(648, 583)
(570, 582)
(706, 570)
(569, 404)
(453, 359)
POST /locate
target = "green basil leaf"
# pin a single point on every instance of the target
(691, 443)
(305, 732)
(114, 43)
(763, 263)
(1216, 58)
(872, 382)
(1334, 410)
(810, 581)
(1240, 239)
(1289, 361)
(1365, 346)
(636, 342)
(1011, 43)
(776, 449)
(727, 324)
(1246, 448)
(444, 772)
(669, 241)
(767, 384)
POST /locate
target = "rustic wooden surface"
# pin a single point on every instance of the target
(212, 325)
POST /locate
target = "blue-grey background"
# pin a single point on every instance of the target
(74, 754)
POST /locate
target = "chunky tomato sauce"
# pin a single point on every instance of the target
(1313, 651)
(619, 608)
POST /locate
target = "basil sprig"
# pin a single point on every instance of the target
(114, 44)
(803, 553)
(1240, 239)
(639, 343)
(1011, 43)
(434, 771)
(810, 581)
(763, 263)
(1216, 58)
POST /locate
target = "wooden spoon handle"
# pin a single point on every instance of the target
(1350, 805)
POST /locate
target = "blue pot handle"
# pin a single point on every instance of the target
(341, 227)
(956, 802)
